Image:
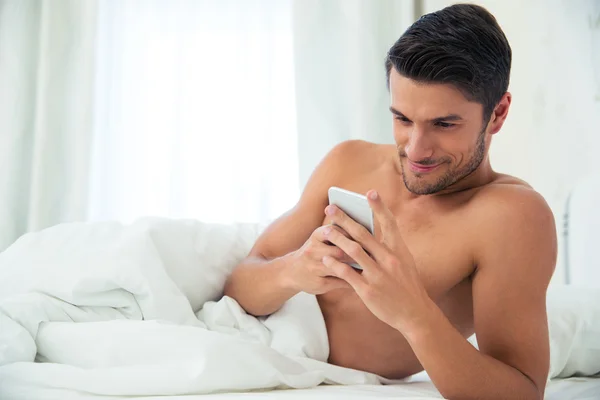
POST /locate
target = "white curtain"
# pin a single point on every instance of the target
(46, 70)
(340, 48)
(216, 110)
(594, 18)
(195, 110)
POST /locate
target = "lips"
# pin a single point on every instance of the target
(420, 168)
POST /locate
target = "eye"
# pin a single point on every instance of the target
(404, 120)
(444, 125)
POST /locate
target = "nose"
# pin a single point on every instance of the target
(419, 146)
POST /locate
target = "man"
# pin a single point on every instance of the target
(458, 248)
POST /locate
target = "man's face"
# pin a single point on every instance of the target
(439, 134)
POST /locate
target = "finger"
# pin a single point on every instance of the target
(352, 249)
(356, 231)
(382, 214)
(337, 253)
(319, 233)
(346, 273)
(345, 258)
(316, 250)
(387, 222)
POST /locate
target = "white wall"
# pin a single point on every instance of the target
(553, 130)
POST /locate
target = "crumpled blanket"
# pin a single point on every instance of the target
(113, 309)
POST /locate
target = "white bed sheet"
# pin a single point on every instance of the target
(574, 388)
(558, 389)
(561, 389)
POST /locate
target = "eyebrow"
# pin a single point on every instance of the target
(449, 117)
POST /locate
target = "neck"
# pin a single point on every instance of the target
(483, 175)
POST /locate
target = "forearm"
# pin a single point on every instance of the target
(260, 286)
(458, 370)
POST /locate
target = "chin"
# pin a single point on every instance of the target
(426, 183)
(420, 190)
(420, 185)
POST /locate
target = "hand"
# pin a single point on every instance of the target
(307, 273)
(389, 284)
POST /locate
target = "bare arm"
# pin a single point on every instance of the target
(266, 279)
(260, 285)
(509, 299)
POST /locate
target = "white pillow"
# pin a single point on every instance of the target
(574, 327)
(574, 324)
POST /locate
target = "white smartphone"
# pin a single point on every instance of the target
(356, 206)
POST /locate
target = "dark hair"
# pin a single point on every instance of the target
(462, 45)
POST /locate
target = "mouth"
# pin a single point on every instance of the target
(420, 168)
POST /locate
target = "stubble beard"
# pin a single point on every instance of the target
(451, 177)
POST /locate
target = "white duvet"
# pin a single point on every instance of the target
(143, 299)
(136, 310)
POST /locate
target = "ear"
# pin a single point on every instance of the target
(499, 114)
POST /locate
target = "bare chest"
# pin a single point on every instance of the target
(444, 262)
(439, 243)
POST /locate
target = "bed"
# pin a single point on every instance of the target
(115, 280)
(421, 388)
(560, 389)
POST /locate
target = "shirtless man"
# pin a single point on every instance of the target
(458, 248)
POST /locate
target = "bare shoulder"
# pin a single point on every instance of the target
(512, 219)
(354, 147)
(351, 159)
(344, 161)
(512, 198)
(363, 153)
